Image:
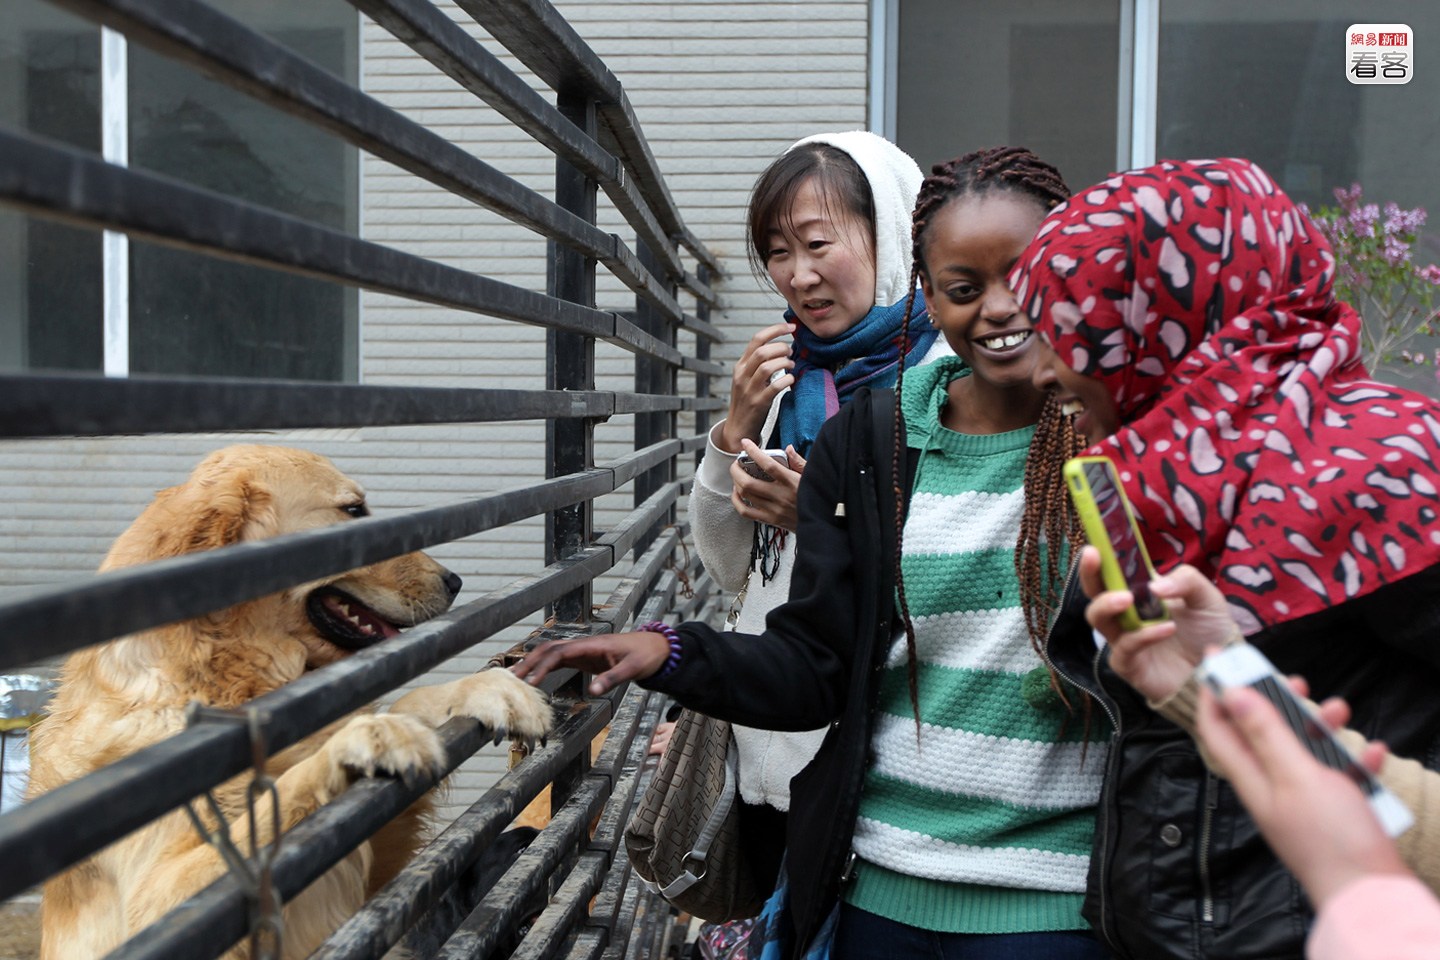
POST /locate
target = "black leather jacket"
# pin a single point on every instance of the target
(822, 655)
(1179, 869)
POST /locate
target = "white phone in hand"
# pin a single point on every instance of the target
(1242, 665)
(748, 464)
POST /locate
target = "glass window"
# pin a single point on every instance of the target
(50, 289)
(1041, 74)
(1267, 81)
(188, 313)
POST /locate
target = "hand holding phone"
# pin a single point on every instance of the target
(750, 466)
(1111, 527)
(1242, 665)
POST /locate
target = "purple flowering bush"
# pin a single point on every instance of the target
(1375, 271)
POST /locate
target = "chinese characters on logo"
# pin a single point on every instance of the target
(1379, 53)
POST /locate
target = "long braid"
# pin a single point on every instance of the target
(897, 484)
(1010, 169)
(1048, 520)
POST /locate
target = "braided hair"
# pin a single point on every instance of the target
(982, 173)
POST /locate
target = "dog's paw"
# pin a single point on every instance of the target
(497, 698)
(393, 744)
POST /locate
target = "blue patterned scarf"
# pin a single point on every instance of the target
(866, 355)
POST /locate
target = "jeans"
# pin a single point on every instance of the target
(865, 936)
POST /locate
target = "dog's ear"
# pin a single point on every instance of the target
(222, 502)
(212, 511)
(236, 505)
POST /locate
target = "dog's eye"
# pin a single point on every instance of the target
(357, 509)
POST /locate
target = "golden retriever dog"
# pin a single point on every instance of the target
(115, 698)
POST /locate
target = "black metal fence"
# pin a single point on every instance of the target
(598, 145)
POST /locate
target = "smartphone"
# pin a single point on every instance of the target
(1111, 527)
(751, 467)
(1242, 665)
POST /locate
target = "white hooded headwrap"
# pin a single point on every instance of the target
(894, 183)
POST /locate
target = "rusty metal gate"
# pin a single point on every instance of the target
(438, 905)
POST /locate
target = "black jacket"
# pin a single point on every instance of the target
(820, 660)
(1179, 869)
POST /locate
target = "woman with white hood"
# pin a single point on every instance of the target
(829, 223)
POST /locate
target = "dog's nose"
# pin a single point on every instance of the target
(452, 583)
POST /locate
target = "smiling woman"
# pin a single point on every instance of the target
(970, 247)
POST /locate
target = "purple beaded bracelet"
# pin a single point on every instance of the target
(673, 638)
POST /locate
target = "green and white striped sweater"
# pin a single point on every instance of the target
(982, 823)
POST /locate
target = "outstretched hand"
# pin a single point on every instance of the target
(614, 658)
(1313, 817)
(1157, 659)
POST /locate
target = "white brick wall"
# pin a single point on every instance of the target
(720, 87)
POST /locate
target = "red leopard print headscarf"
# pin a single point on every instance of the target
(1254, 444)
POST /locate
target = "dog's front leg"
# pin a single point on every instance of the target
(366, 745)
(495, 697)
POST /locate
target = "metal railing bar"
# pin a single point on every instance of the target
(631, 747)
(500, 909)
(206, 924)
(701, 289)
(585, 944)
(706, 605)
(546, 937)
(702, 327)
(196, 34)
(626, 266)
(628, 468)
(620, 134)
(438, 39)
(709, 403)
(394, 909)
(616, 611)
(712, 367)
(609, 900)
(58, 182)
(646, 343)
(63, 404)
(631, 899)
(626, 403)
(541, 38)
(623, 751)
(50, 620)
(72, 186)
(644, 519)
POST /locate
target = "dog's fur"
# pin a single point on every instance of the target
(116, 698)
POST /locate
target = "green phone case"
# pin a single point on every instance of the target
(1081, 482)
